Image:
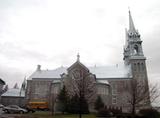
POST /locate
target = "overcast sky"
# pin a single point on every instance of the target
(51, 33)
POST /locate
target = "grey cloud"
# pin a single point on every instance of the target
(13, 52)
(100, 12)
(11, 75)
(7, 4)
(152, 50)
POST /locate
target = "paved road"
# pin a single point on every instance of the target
(1, 111)
(3, 115)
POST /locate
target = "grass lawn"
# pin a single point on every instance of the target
(48, 115)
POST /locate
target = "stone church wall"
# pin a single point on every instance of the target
(38, 90)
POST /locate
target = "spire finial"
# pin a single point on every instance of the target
(131, 24)
(78, 57)
(128, 8)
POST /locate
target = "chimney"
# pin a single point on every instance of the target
(38, 67)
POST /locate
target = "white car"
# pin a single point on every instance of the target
(1, 105)
(14, 109)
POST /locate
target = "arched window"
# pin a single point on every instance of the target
(138, 66)
(135, 67)
(103, 90)
(136, 50)
(142, 66)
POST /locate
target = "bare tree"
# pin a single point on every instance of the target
(5, 89)
(83, 85)
(141, 96)
(16, 86)
(154, 93)
(53, 96)
(53, 100)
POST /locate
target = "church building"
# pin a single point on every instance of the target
(112, 83)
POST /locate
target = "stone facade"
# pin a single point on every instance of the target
(13, 96)
(38, 89)
(113, 84)
(16, 100)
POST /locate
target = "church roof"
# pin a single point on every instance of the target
(101, 72)
(118, 71)
(14, 92)
(77, 63)
(49, 74)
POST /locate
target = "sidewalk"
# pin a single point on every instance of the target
(1, 112)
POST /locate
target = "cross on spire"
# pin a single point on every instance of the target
(78, 57)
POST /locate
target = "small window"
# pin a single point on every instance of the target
(55, 91)
(114, 89)
(114, 99)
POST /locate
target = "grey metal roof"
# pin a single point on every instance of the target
(120, 71)
(14, 93)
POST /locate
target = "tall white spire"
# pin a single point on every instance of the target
(131, 24)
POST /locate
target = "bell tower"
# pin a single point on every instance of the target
(133, 52)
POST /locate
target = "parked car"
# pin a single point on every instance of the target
(1, 105)
(14, 109)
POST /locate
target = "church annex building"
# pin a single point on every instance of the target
(113, 84)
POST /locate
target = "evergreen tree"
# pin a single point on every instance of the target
(73, 104)
(78, 105)
(16, 86)
(5, 88)
(98, 103)
(63, 100)
(24, 84)
(83, 105)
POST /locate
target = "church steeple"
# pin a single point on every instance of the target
(134, 57)
(133, 46)
(131, 24)
(133, 52)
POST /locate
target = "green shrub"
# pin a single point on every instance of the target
(104, 112)
(116, 111)
(98, 103)
(149, 113)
